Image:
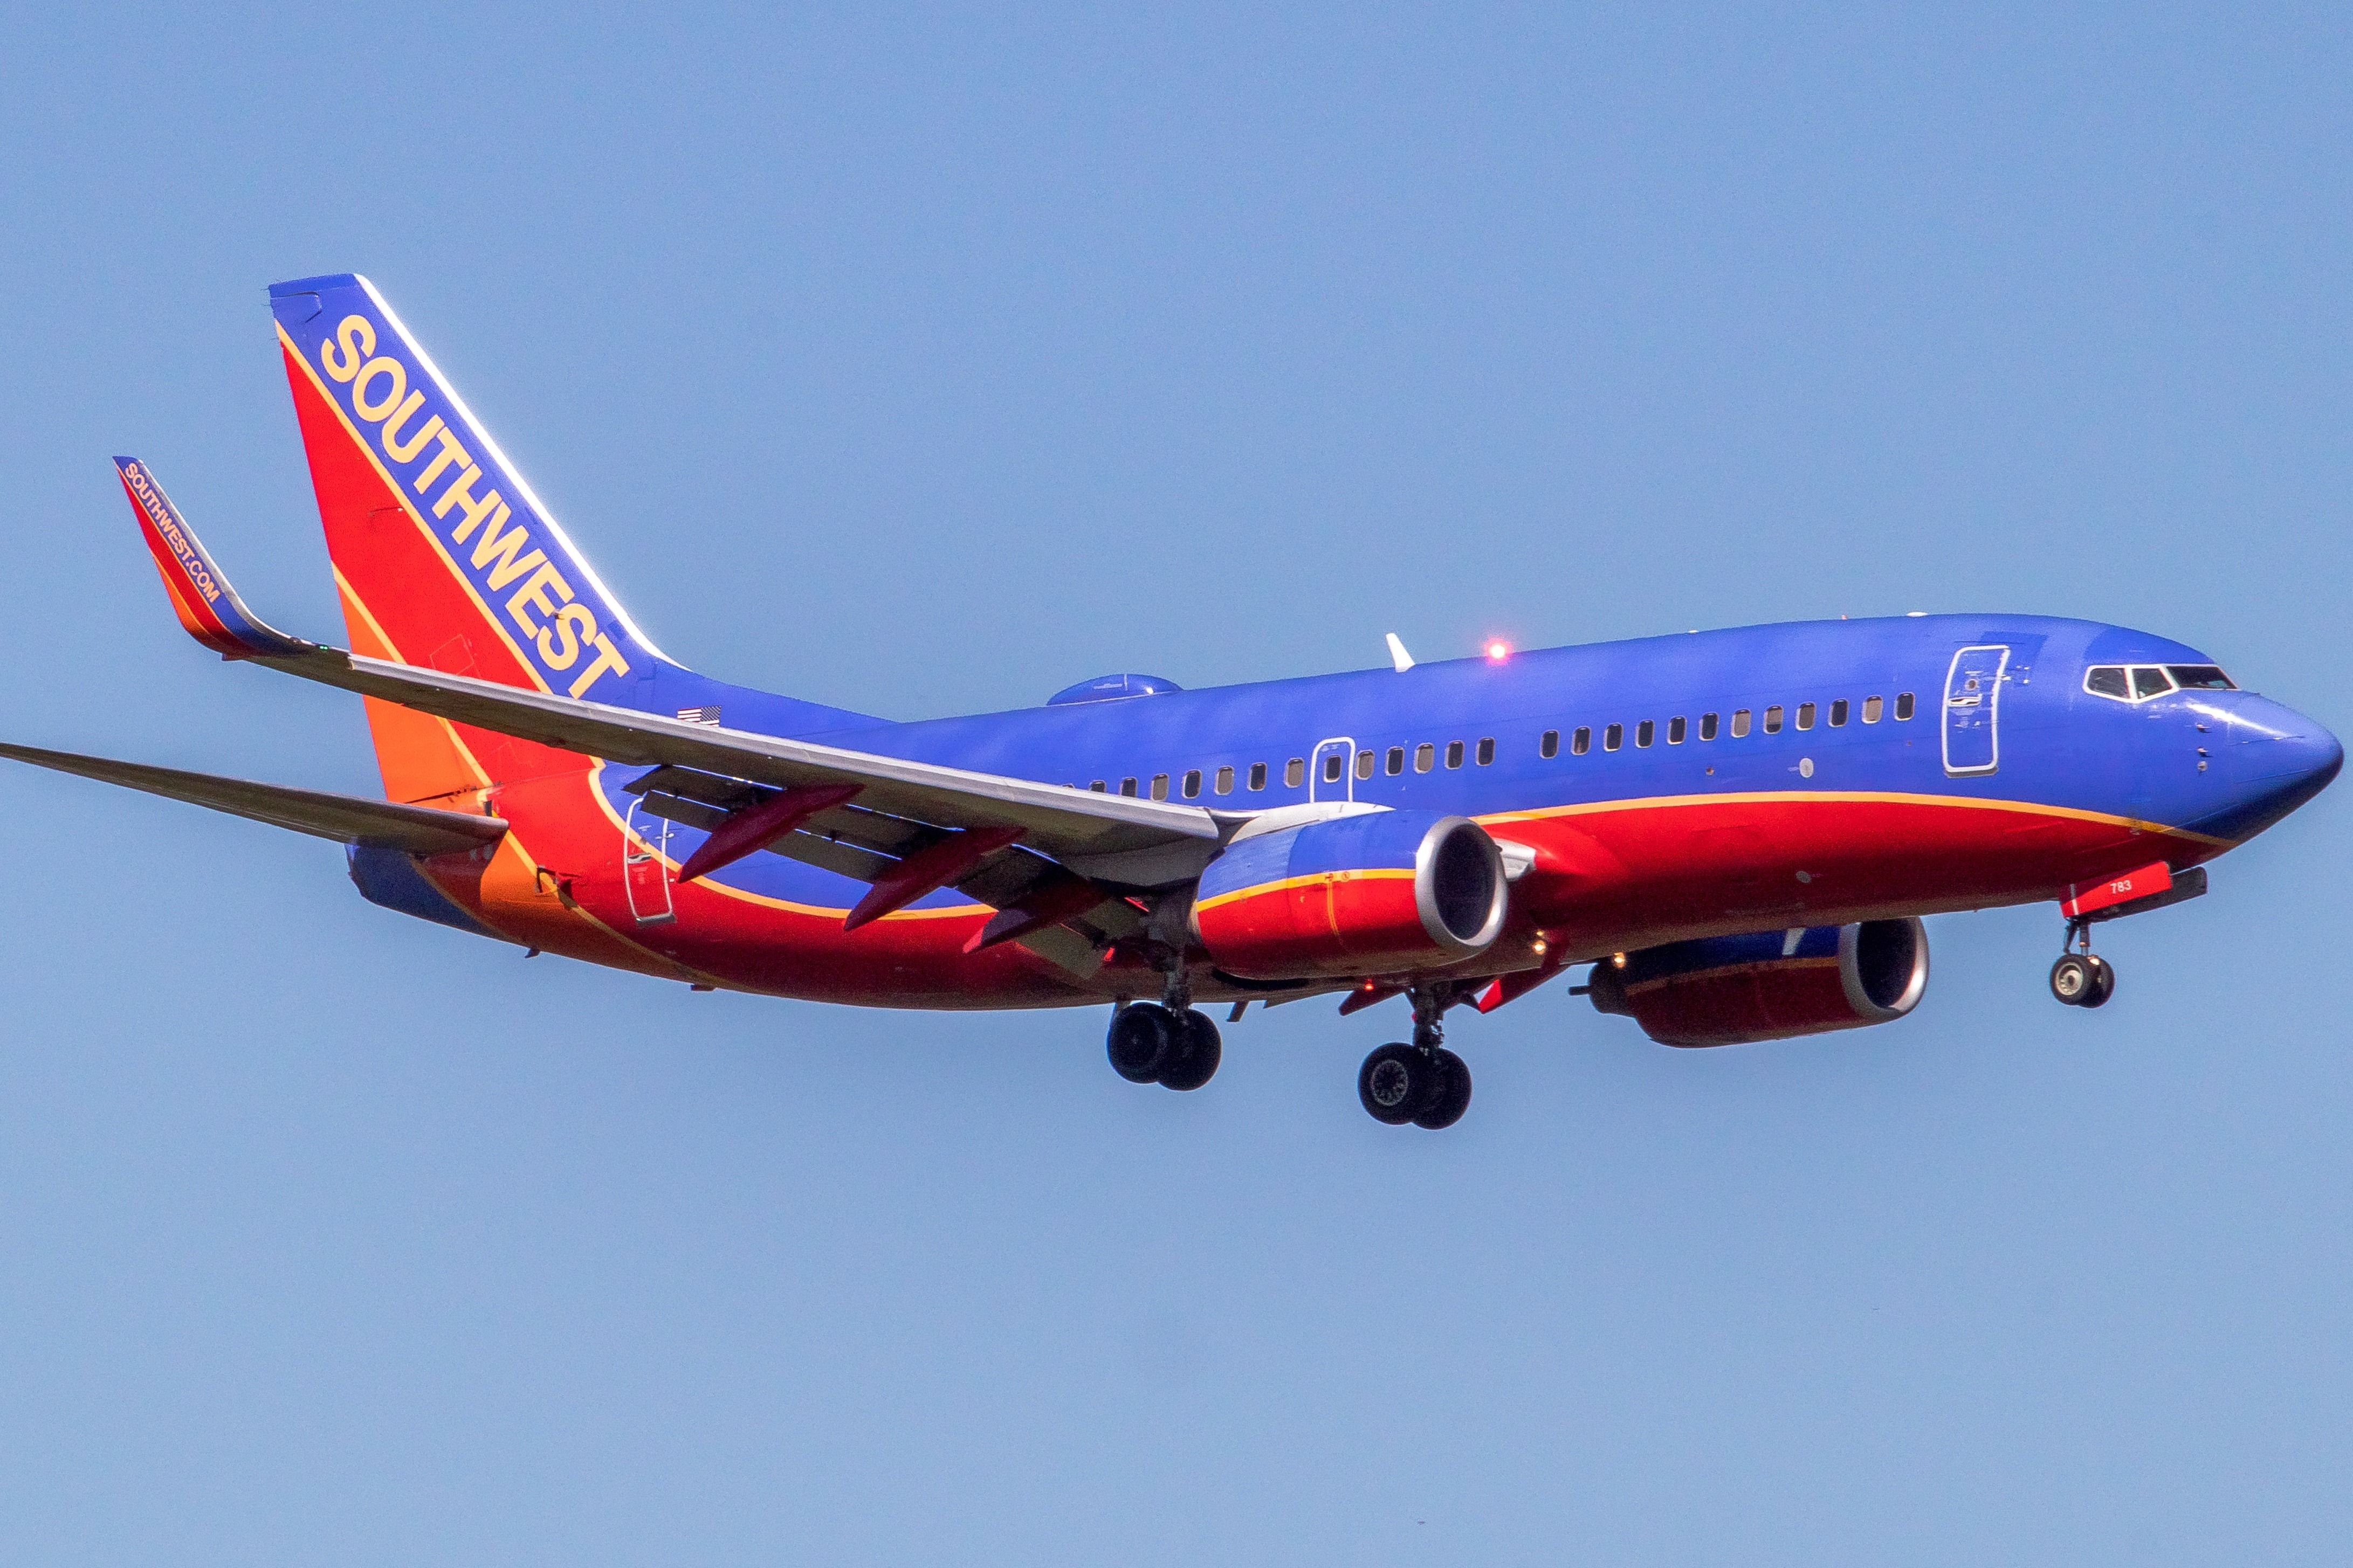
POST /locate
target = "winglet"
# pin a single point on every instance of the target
(208, 606)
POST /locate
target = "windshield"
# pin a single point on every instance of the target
(2142, 682)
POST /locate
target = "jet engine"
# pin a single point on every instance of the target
(1768, 985)
(1378, 892)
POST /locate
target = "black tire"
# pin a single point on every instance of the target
(1396, 1083)
(2104, 982)
(2070, 979)
(1142, 1038)
(1194, 1053)
(1453, 1093)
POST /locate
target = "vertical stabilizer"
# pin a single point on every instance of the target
(439, 543)
(444, 556)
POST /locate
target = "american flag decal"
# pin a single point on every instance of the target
(706, 715)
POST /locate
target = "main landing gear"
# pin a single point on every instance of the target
(1153, 1043)
(1168, 1042)
(2082, 978)
(1423, 1083)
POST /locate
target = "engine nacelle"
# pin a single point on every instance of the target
(1731, 989)
(1378, 892)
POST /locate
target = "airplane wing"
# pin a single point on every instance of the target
(417, 829)
(1114, 838)
(1067, 824)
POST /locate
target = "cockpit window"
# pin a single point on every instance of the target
(2140, 682)
(2108, 680)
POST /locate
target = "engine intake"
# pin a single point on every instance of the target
(1769, 985)
(1377, 892)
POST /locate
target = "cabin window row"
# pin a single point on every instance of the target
(1295, 772)
(1678, 730)
(1426, 754)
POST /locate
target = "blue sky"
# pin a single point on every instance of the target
(928, 362)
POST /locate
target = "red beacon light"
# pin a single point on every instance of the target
(1498, 650)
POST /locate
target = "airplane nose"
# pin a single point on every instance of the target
(2283, 758)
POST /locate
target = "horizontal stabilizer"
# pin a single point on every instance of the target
(347, 819)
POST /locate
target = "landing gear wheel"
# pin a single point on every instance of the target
(1194, 1053)
(2071, 979)
(1453, 1097)
(1399, 1082)
(2104, 982)
(1143, 1040)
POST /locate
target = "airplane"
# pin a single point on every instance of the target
(1738, 831)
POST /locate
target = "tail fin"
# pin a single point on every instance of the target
(443, 555)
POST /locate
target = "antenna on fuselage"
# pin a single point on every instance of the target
(1398, 656)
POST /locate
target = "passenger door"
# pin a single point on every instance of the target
(1345, 748)
(1973, 710)
(645, 866)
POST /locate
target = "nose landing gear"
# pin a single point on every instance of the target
(2082, 979)
(1423, 1083)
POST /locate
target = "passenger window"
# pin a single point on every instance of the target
(1739, 722)
(1613, 737)
(1425, 757)
(1804, 715)
(1364, 764)
(1773, 720)
(2108, 680)
(1225, 781)
(1871, 707)
(1127, 787)
(1160, 787)
(1294, 773)
(1582, 742)
(1333, 765)
(2149, 681)
(1192, 782)
(1645, 732)
(1837, 714)
(1707, 726)
(1258, 775)
(1903, 705)
(1549, 746)
(1453, 754)
(1486, 750)
(1397, 759)
(1675, 731)
(1097, 786)
(2200, 678)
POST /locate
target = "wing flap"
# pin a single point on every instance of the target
(849, 846)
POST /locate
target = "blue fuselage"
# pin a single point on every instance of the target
(1828, 708)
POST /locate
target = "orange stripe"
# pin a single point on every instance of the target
(1314, 880)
